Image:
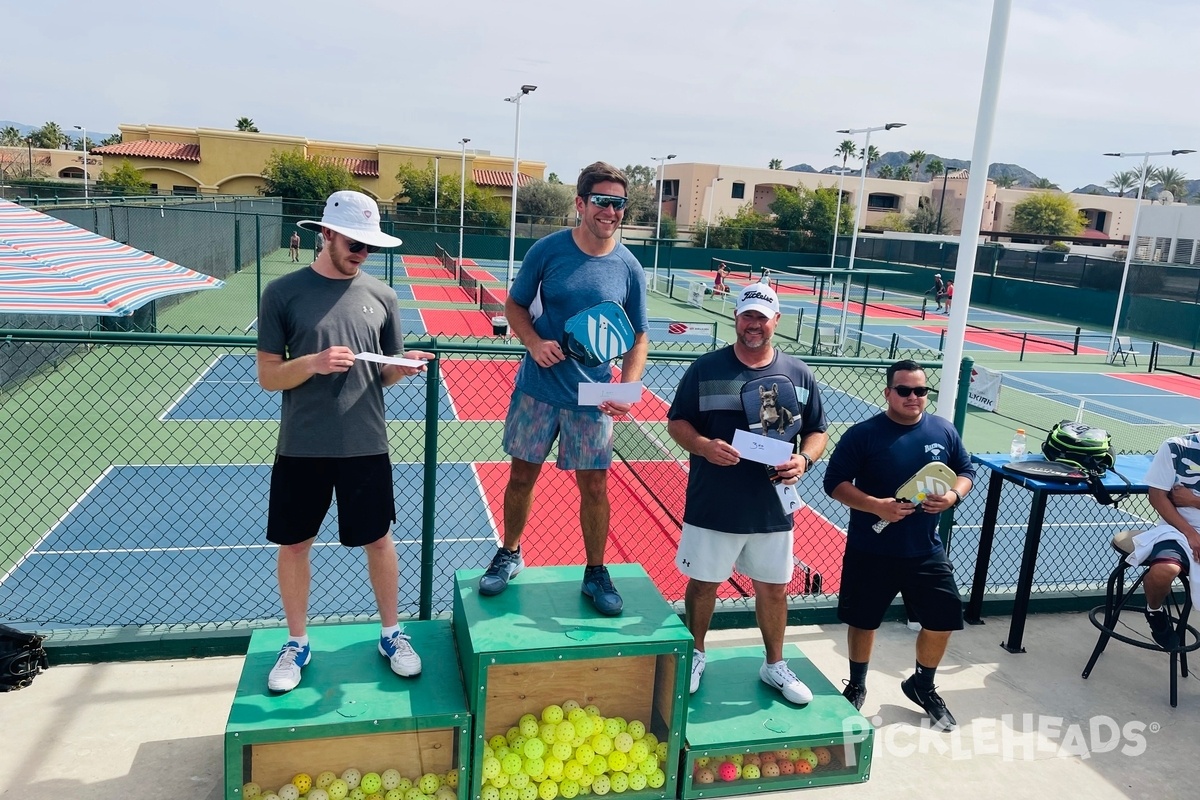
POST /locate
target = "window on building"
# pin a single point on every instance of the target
(737, 190)
(71, 172)
(184, 190)
(883, 202)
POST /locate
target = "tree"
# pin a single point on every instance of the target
(290, 175)
(925, 220)
(125, 179)
(416, 197)
(730, 233)
(847, 149)
(904, 172)
(639, 175)
(553, 178)
(246, 124)
(546, 202)
(1004, 181)
(872, 155)
(112, 138)
(1043, 183)
(886, 172)
(1170, 180)
(1049, 213)
(78, 144)
(935, 168)
(49, 136)
(775, 163)
(1123, 181)
(11, 137)
(917, 159)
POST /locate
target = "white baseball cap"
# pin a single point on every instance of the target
(758, 297)
(355, 215)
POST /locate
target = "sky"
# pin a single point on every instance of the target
(736, 82)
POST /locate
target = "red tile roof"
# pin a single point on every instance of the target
(366, 168)
(499, 178)
(148, 148)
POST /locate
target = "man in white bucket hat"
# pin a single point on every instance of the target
(332, 435)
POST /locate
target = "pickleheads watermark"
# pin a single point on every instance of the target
(1010, 737)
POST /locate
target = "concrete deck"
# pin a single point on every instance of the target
(154, 729)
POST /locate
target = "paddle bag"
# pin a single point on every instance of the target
(1088, 449)
(22, 657)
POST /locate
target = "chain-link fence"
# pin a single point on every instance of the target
(138, 469)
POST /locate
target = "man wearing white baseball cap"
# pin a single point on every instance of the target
(332, 433)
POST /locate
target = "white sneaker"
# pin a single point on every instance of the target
(781, 677)
(285, 675)
(398, 650)
(913, 626)
(698, 659)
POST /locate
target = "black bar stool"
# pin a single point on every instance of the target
(1106, 617)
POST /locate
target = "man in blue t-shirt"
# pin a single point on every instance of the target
(733, 517)
(561, 275)
(871, 461)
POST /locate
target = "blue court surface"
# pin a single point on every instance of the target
(1113, 396)
(209, 523)
(229, 390)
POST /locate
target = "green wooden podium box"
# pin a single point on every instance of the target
(541, 642)
(734, 714)
(349, 710)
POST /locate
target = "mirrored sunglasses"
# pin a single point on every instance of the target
(905, 391)
(613, 201)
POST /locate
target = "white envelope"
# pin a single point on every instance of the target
(593, 394)
(400, 362)
(762, 449)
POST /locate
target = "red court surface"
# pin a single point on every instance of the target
(875, 310)
(1179, 384)
(481, 275)
(446, 322)
(479, 389)
(428, 272)
(442, 294)
(423, 260)
(1012, 344)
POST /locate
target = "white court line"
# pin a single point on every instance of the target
(50, 530)
(253, 323)
(199, 379)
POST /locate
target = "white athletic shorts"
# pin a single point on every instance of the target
(711, 556)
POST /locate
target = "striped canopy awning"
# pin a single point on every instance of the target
(48, 266)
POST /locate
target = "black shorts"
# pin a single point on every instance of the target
(303, 488)
(871, 582)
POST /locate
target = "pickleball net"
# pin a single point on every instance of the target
(1165, 357)
(448, 262)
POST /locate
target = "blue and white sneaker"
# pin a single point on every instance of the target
(504, 567)
(598, 585)
(285, 675)
(399, 652)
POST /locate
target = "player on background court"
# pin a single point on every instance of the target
(563, 274)
(871, 460)
(294, 248)
(732, 516)
(332, 434)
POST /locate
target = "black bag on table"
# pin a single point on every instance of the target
(22, 658)
(1088, 449)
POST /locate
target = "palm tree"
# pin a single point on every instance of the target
(917, 159)
(112, 138)
(886, 172)
(246, 124)
(1004, 181)
(1043, 183)
(1123, 181)
(50, 136)
(11, 137)
(872, 155)
(846, 150)
(775, 163)
(935, 168)
(904, 172)
(1170, 180)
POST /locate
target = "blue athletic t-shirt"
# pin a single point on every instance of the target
(877, 456)
(564, 280)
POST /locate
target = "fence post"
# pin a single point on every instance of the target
(946, 524)
(257, 263)
(237, 244)
(429, 496)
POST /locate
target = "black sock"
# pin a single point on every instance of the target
(858, 672)
(924, 676)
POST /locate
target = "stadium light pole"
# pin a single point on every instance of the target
(711, 202)
(462, 200)
(837, 216)
(662, 160)
(85, 170)
(1137, 212)
(512, 222)
(858, 213)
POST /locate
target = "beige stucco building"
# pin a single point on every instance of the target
(49, 164)
(695, 193)
(215, 161)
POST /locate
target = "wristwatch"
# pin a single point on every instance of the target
(808, 462)
(959, 496)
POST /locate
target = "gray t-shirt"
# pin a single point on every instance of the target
(567, 280)
(339, 415)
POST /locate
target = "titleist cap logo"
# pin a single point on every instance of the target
(758, 297)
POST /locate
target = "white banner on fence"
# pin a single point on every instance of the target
(985, 388)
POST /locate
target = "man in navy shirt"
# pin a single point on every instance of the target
(871, 461)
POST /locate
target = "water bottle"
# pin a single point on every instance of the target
(1016, 452)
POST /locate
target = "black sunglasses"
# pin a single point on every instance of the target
(613, 201)
(905, 391)
(358, 247)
